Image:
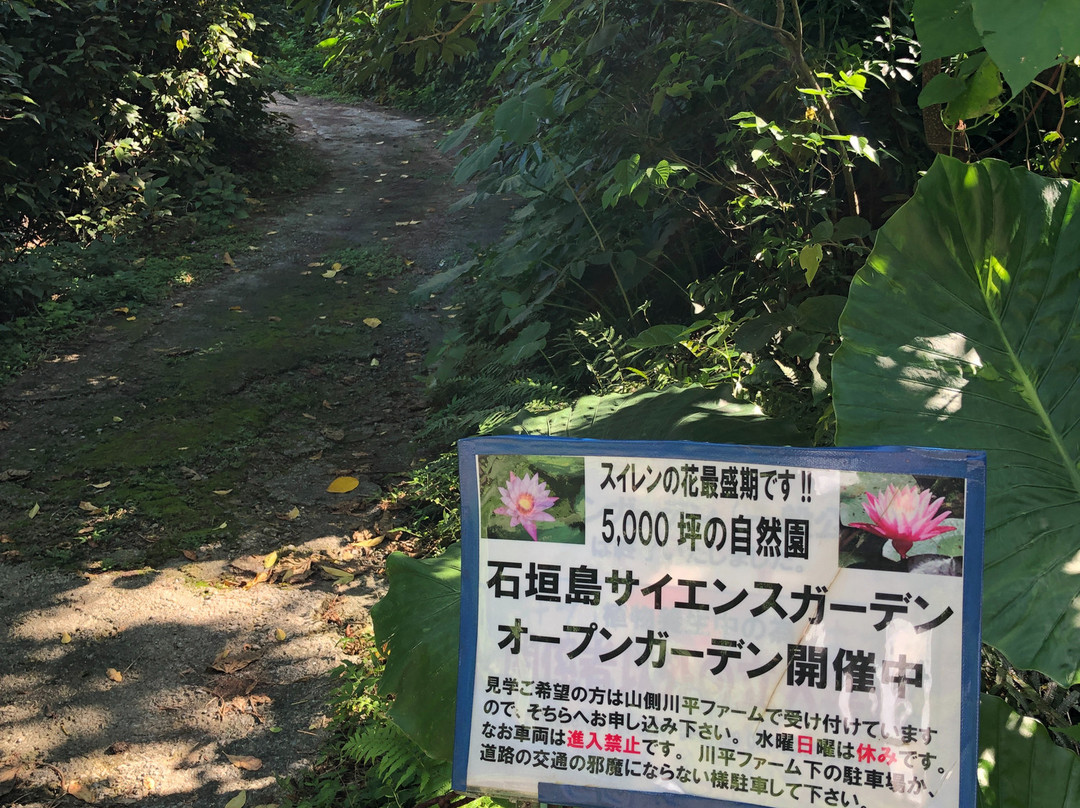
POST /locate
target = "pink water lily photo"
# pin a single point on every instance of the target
(533, 498)
(902, 524)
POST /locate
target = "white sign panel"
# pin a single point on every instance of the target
(768, 626)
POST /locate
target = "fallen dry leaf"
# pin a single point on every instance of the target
(271, 558)
(222, 492)
(245, 762)
(343, 485)
(339, 576)
(239, 801)
(280, 635)
(99, 486)
(121, 310)
(334, 434)
(89, 507)
(81, 792)
(8, 778)
(372, 322)
(330, 273)
(65, 638)
(13, 474)
(115, 675)
(149, 784)
(236, 308)
(288, 517)
(368, 541)
(227, 260)
(274, 318)
(258, 579)
(30, 514)
(227, 662)
(190, 555)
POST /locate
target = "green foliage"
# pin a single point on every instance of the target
(1019, 763)
(417, 621)
(116, 115)
(692, 413)
(1022, 41)
(958, 333)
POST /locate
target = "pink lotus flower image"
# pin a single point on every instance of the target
(525, 501)
(904, 516)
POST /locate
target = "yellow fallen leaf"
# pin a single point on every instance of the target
(330, 273)
(271, 558)
(178, 305)
(372, 322)
(30, 514)
(99, 486)
(227, 260)
(295, 512)
(236, 308)
(374, 541)
(115, 675)
(271, 232)
(246, 762)
(65, 638)
(343, 485)
(149, 784)
(374, 363)
(336, 266)
(131, 318)
(316, 264)
(117, 419)
(391, 290)
(222, 526)
(223, 492)
(279, 635)
(264, 575)
(122, 310)
(239, 801)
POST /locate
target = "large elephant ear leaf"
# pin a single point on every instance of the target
(417, 622)
(1019, 763)
(962, 332)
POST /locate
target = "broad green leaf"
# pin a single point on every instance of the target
(810, 259)
(660, 336)
(963, 331)
(458, 136)
(417, 620)
(1025, 38)
(981, 95)
(945, 28)
(519, 116)
(677, 413)
(941, 89)
(479, 159)
(1019, 765)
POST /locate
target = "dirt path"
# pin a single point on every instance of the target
(185, 582)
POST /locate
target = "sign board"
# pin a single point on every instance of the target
(691, 624)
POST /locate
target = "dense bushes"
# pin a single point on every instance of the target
(115, 113)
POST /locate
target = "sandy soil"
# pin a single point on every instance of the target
(139, 647)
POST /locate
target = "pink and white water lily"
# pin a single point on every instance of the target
(904, 516)
(526, 500)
